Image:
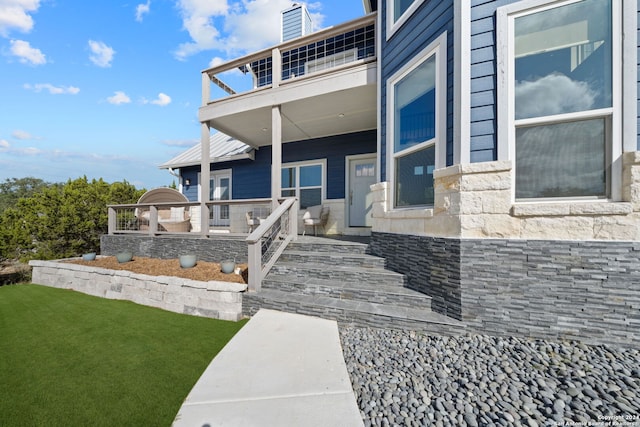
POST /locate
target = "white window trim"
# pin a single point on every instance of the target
(322, 163)
(438, 48)
(392, 26)
(623, 49)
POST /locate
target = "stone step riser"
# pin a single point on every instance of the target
(378, 296)
(333, 259)
(370, 277)
(337, 248)
(252, 304)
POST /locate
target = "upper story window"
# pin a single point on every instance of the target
(416, 121)
(558, 96)
(398, 11)
(304, 181)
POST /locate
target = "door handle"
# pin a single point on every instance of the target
(350, 197)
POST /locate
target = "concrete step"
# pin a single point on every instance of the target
(319, 244)
(395, 294)
(295, 271)
(332, 258)
(350, 312)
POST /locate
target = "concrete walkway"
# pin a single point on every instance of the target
(282, 370)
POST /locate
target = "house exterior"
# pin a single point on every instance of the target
(498, 141)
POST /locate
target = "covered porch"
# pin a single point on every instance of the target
(299, 94)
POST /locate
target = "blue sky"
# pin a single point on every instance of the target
(110, 89)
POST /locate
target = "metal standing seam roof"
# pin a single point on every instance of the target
(222, 148)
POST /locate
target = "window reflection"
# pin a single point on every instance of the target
(415, 106)
(414, 178)
(563, 60)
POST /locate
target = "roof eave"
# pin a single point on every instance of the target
(242, 156)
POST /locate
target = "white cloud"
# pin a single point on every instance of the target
(21, 134)
(54, 90)
(162, 100)
(14, 14)
(214, 24)
(118, 98)
(216, 61)
(142, 9)
(31, 151)
(26, 53)
(552, 94)
(102, 55)
(4, 145)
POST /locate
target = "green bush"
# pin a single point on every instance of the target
(61, 220)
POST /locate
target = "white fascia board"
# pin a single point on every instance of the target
(293, 90)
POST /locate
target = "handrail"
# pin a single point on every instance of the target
(267, 242)
(288, 61)
(124, 218)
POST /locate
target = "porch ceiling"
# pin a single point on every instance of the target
(310, 109)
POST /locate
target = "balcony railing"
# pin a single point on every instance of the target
(345, 45)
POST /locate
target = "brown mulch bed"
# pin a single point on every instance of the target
(203, 271)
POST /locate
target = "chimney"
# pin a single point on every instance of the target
(296, 22)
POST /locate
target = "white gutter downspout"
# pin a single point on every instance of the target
(171, 172)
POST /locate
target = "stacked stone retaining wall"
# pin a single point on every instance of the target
(211, 249)
(219, 300)
(585, 290)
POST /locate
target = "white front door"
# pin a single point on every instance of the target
(220, 189)
(362, 174)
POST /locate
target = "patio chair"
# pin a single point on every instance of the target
(170, 219)
(315, 216)
(256, 216)
(251, 221)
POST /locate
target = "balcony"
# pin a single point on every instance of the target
(324, 84)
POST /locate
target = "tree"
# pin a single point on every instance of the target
(14, 189)
(62, 220)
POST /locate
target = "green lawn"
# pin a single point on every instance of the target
(71, 359)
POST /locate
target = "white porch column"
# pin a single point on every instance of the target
(276, 155)
(205, 174)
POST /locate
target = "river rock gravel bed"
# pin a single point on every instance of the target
(406, 378)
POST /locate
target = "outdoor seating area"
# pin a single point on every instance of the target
(256, 216)
(315, 216)
(173, 219)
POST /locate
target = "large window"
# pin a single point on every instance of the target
(304, 181)
(398, 11)
(563, 109)
(416, 110)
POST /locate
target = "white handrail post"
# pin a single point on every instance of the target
(153, 220)
(112, 220)
(293, 219)
(206, 88)
(255, 266)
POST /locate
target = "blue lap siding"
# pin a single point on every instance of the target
(426, 24)
(252, 178)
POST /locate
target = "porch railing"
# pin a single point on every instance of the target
(270, 239)
(180, 217)
(344, 45)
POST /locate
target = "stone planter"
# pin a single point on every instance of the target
(227, 266)
(187, 261)
(124, 256)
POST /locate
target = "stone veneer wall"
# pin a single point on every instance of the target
(586, 290)
(219, 300)
(476, 201)
(213, 249)
(432, 266)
